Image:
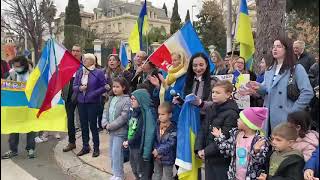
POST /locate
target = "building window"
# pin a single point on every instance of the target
(120, 27)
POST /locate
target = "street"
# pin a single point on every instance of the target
(43, 167)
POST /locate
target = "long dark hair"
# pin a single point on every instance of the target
(289, 58)
(123, 82)
(190, 77)
(301, 118)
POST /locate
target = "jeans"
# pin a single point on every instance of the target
(88, 117)
(162, 172)
(14, 141)
(70, 108)
(116, 155)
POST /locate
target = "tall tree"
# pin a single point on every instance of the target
(210, 26)
(175, 19)
(72, 24)
(165, 9)
(187, 16)
(270, 24)
(49, 12)
(25, 16)
(307, 9)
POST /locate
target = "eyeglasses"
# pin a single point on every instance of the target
(73, 50)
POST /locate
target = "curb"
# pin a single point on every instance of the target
(74, 166)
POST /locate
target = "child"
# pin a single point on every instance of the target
(115, 118)
(141, 134)
(311, 169)
(308, 140)
(247, 146)
(285, 162)
(222, 113)
(165, 144)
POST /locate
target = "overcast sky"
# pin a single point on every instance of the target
(184, 5)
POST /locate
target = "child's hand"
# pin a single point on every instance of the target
(262, 176)
(258, 145)
(216, 132)
(308, 174)
(125, 144)
(155, 153)
(201, 154)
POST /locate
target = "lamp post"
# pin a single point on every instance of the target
(192, 12)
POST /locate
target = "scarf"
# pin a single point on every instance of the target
(173, 75)
(85, 74)
(277, 158)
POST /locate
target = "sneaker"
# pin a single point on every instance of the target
(58, 136)
(9, 155)
(31, 153)
(44, 139)
(38, 139)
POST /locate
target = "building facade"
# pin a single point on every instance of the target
(115, 19)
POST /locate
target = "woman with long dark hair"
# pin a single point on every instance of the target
(274, 88)
(198, 78)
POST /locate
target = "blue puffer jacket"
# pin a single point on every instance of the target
(166, 145)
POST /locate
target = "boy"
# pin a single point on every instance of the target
(165, 144)
(285, 163)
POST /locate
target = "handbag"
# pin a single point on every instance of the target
(293, 91)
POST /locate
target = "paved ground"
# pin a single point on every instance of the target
(44, 167)
(86, 166)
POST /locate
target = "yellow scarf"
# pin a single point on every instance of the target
(173, 75)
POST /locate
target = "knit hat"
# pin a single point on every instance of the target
(254, 117)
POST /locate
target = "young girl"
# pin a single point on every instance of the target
(308, 140)
(165, 144)
(115, 118)
(247, 146)
(141, 134)
(222, 112)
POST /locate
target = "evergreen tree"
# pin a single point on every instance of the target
(210, 26)
(175, 19)
(72, 25)
(165, 9)
(187, 17)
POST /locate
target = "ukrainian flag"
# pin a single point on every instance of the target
(17, 117)
(244, 35)
(188, 128)
(140, 28)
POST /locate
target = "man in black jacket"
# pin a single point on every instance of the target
(303, 57)
(70, 99)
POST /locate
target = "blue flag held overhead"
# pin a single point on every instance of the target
(123, 55)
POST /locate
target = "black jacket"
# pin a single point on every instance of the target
(290, 169)
(135, 142)
(222, 116)
(306, 61)
(314, 75)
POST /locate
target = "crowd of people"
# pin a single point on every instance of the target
(139, 107)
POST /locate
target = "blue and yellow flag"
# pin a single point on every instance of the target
(244, 35)
(188, 128)
(17, 117)
(140, 28)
